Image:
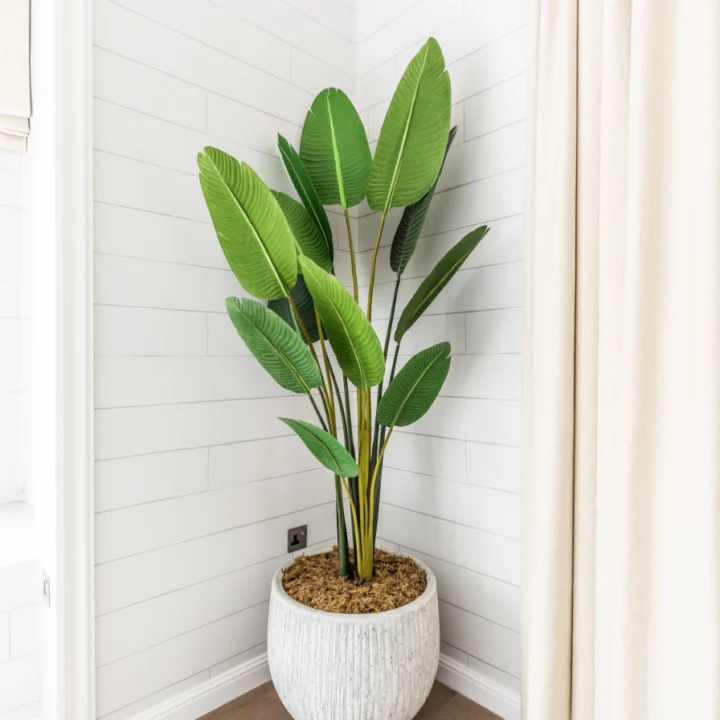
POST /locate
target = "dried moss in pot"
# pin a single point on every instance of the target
(313, 580)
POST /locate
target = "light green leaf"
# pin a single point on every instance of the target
(414, 389)
(306, 190)
(276, 346)
(308, 237)
(411, 224)
(440, 276)
(334, 149)
(302, 298)
(414, 134)
(325, 448)
(250, 225)
(352, 337)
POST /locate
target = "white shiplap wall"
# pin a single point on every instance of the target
(196, 480)
(451, 489)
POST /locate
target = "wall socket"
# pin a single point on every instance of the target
(297, 538)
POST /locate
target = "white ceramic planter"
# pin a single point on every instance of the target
(328, 666)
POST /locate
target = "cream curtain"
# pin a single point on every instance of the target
(621, 562)
(14, 72)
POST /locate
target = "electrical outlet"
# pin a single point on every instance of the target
(297, 538)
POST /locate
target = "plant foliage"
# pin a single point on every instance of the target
(250, 225)
(282, 251)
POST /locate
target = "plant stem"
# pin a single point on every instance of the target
(379, 464)
(376, 442)
(365, 544)
(317, 412)
(352, 256)
(349, 415)
(374, 263)
(331, 398)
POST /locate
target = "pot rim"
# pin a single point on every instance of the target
(428, 595)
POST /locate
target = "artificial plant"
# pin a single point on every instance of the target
(282, 251)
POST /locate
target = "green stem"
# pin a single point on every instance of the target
(376, 441)
(353, 268)
(372, 266)
(379, 466)
(317, 412)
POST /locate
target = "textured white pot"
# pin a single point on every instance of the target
(328, 666)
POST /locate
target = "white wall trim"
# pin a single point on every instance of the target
(479, 687)
(212, 693)
(239, 680)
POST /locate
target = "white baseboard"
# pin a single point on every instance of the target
(217, 691)
(480, 688)
(213, 693)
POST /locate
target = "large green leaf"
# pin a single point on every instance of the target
(439, 277)
(250, 225)
(310, 240)
(302, 298)
(275, 346)
(411, 224)
(325, 448)
(414, 389)
(352, 337)
(334, 149)
(306, 190)
(412, 140)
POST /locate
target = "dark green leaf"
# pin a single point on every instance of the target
(440, 276)
(308, 237)
(324, 447)
(275, 346)
(303, 301)
(411, 224)
(306, 190)
(414, 389)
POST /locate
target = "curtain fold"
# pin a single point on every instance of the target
(621, 490)
(14, 72)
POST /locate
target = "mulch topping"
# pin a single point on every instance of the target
(313, 580)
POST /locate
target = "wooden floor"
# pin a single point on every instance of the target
(264, 704)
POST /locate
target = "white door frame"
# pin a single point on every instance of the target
(60, 218)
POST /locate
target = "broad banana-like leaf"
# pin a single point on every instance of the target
(250, 225)
(302, 298)
(308, 237)
(411, 224)
(306, 190)
(414, 133)
(275, 346)
(352, 337)
(414, 389)
(440, 276)
(324, 447)
(334, 149)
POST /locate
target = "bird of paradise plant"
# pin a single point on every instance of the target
(281, 250)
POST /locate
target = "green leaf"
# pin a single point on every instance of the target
(412, 140)
(250, 225)
(275, 346)
(440, 276)
(306, 190)
(325, 448)
(302, 298)
(334, 149)
(414, 389)
(352, 337)
(308, 237)
(413, 219)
